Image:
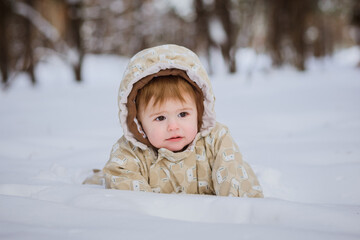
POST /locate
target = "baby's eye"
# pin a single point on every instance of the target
(183, 114)
(160, 118)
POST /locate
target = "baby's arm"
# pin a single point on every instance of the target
(124, 170)
(231, 175)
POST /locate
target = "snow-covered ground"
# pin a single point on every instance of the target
(299, 131)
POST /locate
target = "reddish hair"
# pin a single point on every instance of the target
(164, 88)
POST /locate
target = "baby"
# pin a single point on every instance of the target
(172, 142)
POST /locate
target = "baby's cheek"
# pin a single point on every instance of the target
(194, 132)
(154, 138)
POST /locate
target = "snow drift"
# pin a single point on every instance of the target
(299, 131)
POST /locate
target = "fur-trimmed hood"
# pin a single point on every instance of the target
(155, 60)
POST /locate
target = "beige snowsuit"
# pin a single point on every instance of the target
(211, 164)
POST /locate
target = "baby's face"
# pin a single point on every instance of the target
(172, 125)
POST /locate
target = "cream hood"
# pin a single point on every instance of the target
(153, 60)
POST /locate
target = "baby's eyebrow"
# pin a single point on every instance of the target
(180, 110)
(186, 109)
(157, 113)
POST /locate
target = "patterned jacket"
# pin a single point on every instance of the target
(211, 164)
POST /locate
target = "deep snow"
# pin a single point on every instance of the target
(299, 131)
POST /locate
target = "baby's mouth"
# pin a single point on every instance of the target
(175, 138)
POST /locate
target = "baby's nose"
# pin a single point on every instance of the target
(173, 125)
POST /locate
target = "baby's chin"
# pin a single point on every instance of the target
(174, 148)
(178, 149)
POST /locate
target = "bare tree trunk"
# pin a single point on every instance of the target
(28, 43)
(319, 45)
(287, 21)
(75, 20)
(355, 21)
(203, 40)
(5, 10)
(134, 36)
(299, 11)
(276, 20)
(228, 48)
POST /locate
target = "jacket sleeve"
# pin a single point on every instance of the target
(230, 174)
(124, 170)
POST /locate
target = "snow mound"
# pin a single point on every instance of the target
(299, 131)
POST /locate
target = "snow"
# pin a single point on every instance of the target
(217, 32)
(300, 131)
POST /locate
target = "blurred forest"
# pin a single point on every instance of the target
(290, 31)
